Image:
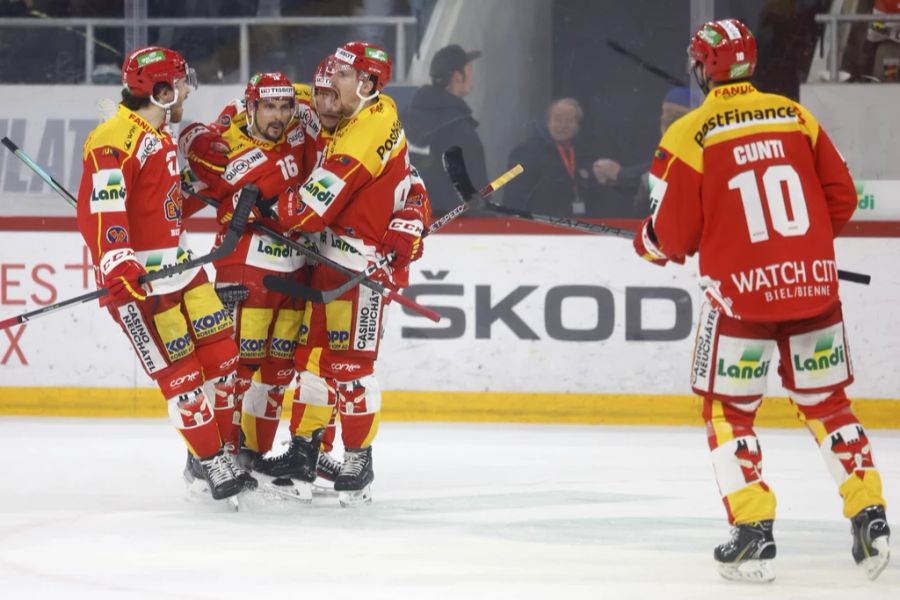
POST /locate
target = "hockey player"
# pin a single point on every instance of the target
(359, 201)
(752, 183)
(129, 212)
(258, 140)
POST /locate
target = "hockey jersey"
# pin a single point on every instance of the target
(273, 167)
(130, 197)
(752, 182)
(351, 196)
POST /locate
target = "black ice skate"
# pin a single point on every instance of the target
(216, 471)
(871, 536)
(297, 462)
(748, 555)
(241, 464)
(354, 482)
(328, 467)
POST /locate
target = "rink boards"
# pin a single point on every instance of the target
(537, 328)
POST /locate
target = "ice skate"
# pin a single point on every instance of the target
(748, 555)
(354, 482)
(871, 538)
(297, 462)
(211, 477)
(328, 467)
(241, 464)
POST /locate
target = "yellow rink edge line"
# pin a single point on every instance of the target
(477, 407)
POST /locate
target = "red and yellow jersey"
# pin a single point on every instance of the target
(363, 179)
(130, 196)
(273, 167)
(753, 183)
(316, 136)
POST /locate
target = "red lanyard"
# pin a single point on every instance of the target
(567, 154)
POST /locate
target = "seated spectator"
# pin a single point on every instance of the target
(439, 118)
(886, 37)
(557, 179)
(632, 180)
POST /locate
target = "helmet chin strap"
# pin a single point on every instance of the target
(362, 99)
(701, 80)
(167, 106)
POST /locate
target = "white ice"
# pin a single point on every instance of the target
(95, 509)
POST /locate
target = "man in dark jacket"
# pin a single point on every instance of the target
(439, 118)
(558, 180)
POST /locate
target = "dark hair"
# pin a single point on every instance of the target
(132, 102)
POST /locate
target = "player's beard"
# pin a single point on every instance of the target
(176, 113)
(272, 131)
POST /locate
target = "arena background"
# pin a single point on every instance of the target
(541, 325)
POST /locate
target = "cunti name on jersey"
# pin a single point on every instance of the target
(108, 193)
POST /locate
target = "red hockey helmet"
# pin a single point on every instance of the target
(268, 85)
(367, 58)
(145, 67)
(324, 71)
(887, 6)
(726, 49)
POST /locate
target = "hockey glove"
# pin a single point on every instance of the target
(645, 244)
(404, 238)
(205, 150)
(121, 271)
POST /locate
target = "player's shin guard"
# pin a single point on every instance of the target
(262, 412)
(192, 416)
(314, 401)
(844, 446)
(219, 357)
(737, 461)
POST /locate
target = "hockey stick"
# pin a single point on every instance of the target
(324, 297)
(296, 290)
(649, 67)
(57, 186)
(230, 241)
(601, 229)
(390, 294)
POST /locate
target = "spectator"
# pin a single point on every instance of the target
(557, 179)
(632, 181)
(439, 118)
(886, 37)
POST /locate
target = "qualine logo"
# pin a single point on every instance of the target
(150, 57)
(750, 365)
(377, 54)
(825, 355)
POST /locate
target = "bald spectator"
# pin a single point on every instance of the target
(557, 180)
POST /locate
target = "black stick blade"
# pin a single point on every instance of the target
(455, 167)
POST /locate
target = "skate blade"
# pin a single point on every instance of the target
(323, 489)
(284, 489)
(197, 492)
(749, 571)
(874, 565)
(355, 497)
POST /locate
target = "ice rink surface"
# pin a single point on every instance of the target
(96, 509)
